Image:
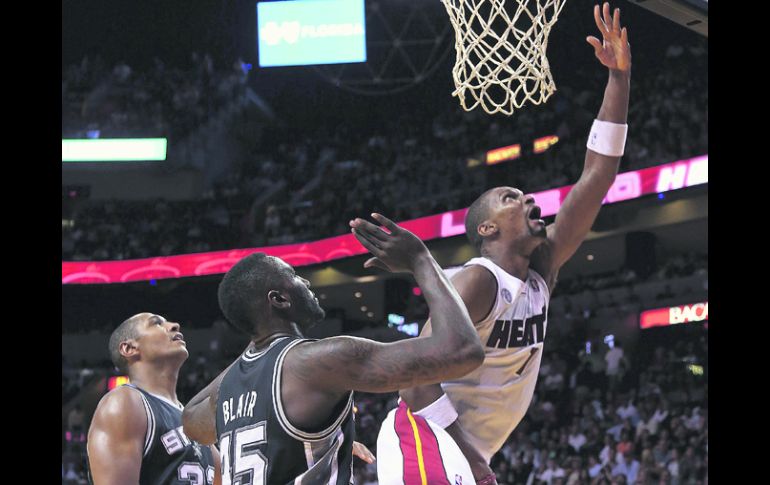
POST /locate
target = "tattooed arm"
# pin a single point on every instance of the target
(324, 371)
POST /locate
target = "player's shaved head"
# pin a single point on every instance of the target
(477, 213)
(243, 291)
(125, 331)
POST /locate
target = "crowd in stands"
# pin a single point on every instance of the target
(73, 378)
(162, 101)
(675, 266)
(410, 163)
(120, 229)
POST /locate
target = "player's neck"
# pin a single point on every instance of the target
(261, 341)
(158, 380)
(273, 329)
(512, 261)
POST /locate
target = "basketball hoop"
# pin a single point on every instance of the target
(501, 62)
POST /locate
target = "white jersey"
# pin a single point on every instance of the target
(492, 400)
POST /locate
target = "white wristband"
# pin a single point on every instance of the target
(608, 138)
(439, 412)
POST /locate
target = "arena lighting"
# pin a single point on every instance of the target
(114, 150)
(503, 154)
(627, 186)
(117, 381)
(696, 370)
(610, 341)
(661, 317)
(411, 329)
(512, 152)
(395, 319)
(544, 143)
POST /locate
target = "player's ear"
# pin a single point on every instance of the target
(279, 300)
(128, 348)
(487, 228)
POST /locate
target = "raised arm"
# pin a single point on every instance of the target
(580, 208)
(116, 438)
(340, 364)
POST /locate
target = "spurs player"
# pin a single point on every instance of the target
(507, 291)
(282, 412)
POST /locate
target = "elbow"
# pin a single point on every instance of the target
(189, 429)
(196, 428)
(468, 358)
(474, 354)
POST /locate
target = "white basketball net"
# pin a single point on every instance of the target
(501, 66)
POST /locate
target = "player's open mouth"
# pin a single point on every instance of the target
(534, 215)
(179, 336)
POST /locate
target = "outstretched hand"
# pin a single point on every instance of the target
(614, 51)
(396, 250)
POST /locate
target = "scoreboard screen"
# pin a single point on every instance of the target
(305, 32)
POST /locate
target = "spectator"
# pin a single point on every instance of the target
(551, 472)
(594, 467)
(608, 452)
(614, 358)
(71, 476)
(627, 466)
(673, 467)
(625, 445)
(75, 422)
(629, 412)
(576, 438)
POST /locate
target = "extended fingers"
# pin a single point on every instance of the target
(606, 16)
(369, 228)
(595, 43)
(599, 22)
(616, 21)
(392, 227)
(367, 242)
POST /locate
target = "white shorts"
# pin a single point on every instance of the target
(414, 451)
